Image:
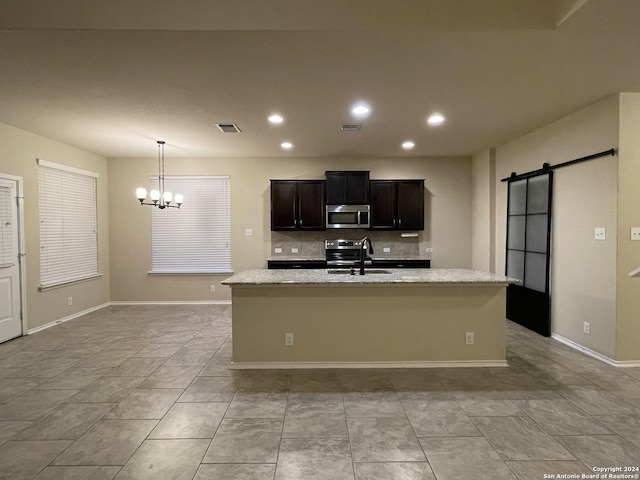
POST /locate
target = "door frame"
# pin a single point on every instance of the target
(22, 270)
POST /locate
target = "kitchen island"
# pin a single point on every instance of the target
(386, 318)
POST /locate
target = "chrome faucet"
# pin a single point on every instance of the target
(363, 249)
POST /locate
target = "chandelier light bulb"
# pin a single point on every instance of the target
(154, 195)
(141, 193)
(168, 196)
(179, 199)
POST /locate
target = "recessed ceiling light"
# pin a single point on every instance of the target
(435, 119)
(408, 145)
(360, 109)
(276, 119)
(287, 145)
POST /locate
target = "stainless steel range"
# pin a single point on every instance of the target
(344, 253)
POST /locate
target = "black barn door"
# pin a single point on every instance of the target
(528, 250)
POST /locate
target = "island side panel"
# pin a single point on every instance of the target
(368, 323)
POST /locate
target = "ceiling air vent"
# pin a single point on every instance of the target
(228, 127)
(350, 127)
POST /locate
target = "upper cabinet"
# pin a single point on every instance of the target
(297, 204)
(347, 187)
(397, 204)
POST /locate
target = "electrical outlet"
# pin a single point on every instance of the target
(212, 288)
(635, 233)
(600, 233)
(386, 250)
(288, 339)
(294, 250)
(586, 328)
(69, 301)
(429, 249)
(469, 338)
(248, 232)
(277, 250)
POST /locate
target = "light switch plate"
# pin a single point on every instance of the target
(635, 233)
(600, 233)
(248, 232)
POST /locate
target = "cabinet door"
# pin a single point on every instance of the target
(311, 205)
(410, 204)
(336, 188)
(357, 188)
(347, 187)
(383, 204)
(283, 205)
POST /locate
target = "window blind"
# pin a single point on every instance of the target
(197, 237)
(7, 227)
(68, 224)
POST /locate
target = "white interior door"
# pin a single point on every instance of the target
(10, 321)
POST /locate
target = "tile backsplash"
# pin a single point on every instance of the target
(311, 244)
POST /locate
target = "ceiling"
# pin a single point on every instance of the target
(111, 77)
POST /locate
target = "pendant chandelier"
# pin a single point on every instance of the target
(159, 198)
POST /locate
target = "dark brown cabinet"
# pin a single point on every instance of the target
(397, 204)
(347, 187)
(297, 204)
(296, 264)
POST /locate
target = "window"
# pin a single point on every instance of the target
(197, 237)
(7, 226)
(68, 224)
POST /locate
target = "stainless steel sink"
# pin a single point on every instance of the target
(367, 271)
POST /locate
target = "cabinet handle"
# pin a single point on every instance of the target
(394, 223)
(300, 222)
(400, 222)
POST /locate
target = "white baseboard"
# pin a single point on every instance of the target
(308, 365)
(66, 319)
(177, 302)
(591, 353)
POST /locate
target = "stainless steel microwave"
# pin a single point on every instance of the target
(348, 216)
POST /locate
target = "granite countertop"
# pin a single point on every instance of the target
(437, 276)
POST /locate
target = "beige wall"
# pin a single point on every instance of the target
(18, 153)
(482, 211)
(448, 199)
(628, 292)
(583, 271)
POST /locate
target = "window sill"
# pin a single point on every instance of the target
(66, 284)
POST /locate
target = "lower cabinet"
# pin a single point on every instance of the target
(397, 263)
(297, 264)
(375, 263)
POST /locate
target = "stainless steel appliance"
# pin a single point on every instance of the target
(345, 253)
(348, 216)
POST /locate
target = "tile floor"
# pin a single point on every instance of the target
(145, 392)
